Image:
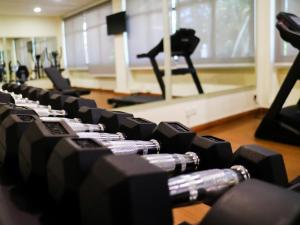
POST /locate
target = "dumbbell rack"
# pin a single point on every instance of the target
(21, 205)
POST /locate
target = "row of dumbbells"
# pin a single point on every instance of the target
(112, 168)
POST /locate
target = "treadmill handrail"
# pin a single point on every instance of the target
(288, 35)
(291, 36)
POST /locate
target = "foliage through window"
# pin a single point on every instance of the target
(225, 27)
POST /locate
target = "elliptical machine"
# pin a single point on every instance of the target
(2, 71)
(283, 124)
(54, 58)
(22, 74)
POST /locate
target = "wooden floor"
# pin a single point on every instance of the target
(240, 132)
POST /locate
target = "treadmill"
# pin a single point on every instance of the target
(283, 124)
(183, 44)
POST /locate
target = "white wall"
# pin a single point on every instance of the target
(31, 26)
(198, 110)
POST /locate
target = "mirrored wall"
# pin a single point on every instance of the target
(32, 53)
(220, 48)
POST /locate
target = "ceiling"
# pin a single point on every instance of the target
(49, 7)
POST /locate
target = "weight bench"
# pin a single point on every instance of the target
(63, 84)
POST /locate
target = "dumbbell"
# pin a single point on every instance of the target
(116, 182)
(18, 121)
(15, 125)
(41, 110)
(254, 202)
(70, 153)
(112, 119)
(6, 85)
(39, 139)
(70, 104)
(73, 104)
(22, 89)
(73, 155)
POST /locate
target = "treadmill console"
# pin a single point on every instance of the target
(288, 26)
(290, 20)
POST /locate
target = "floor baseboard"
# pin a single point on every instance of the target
(254, 112)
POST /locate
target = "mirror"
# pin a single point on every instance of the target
(30, 54)
(223, 59)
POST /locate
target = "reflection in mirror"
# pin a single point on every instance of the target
(222, 60)
(212, 50)
(2, 61)
(25, 58)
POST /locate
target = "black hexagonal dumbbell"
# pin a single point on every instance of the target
(6, 86)
(73, 104)
(57, 101)
(34, 93)
(140, 129)
(17, 123)
(124, 147)
(113, 119)
(147, 190)
(6, 98)
(90, 115)
(76, 156)
(254, 202)
(39, 139)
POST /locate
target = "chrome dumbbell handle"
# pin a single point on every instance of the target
(175, 162)
(129, 147)
(101, 137)
(202, 185)
(57, 119)
(82, 127)
(50, 112)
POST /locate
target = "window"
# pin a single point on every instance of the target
(100, 46)
(87, 42)
(145, 28)
(225, 27)
(74, 42)
(284, 51)
(22, 54)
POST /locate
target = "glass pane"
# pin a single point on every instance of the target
(225, 27)
(145, 28)
(22, 53)
(192, 14)
(234, 29)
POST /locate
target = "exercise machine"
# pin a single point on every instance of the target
(54, 58)
(22, 74)
(183, 44)
(2, 71)
(283, 124)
